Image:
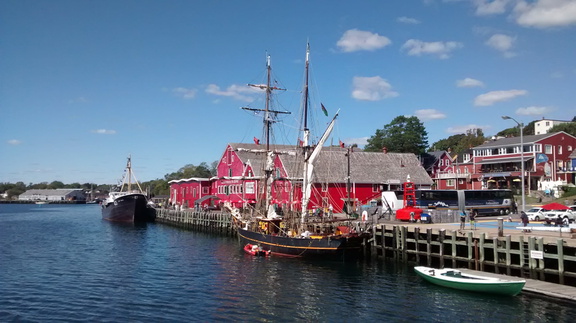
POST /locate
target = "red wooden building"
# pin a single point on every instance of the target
(240, 175)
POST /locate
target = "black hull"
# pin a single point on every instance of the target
(128, 209)
(340, 248)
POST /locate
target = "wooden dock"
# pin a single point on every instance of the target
(535, 286)
(205, 221)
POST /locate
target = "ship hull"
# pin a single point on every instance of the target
(340, 247)
(128, 209)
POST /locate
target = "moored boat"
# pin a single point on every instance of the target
(290, 233)
(256, 250)
(128, 205)
(456, 279)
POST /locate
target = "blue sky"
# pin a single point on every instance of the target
(84, 84)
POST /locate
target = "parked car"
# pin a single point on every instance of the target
(535, 214)
(553, 217)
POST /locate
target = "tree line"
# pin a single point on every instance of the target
(156, 187)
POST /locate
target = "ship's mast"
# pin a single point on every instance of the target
(269, 115)
(306, 135)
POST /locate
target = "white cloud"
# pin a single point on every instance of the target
(502, 43)
(371, 88)
(533, 111)
(104, 131)
(545, 13)
(185, 93)
(490, 7)
(407, 20)
(469, 82)
(14, 142)
(443, 50)
(497, 96)
(237, 92)
(465, 128)
(356, 40)
(429, 114)
(363, 141)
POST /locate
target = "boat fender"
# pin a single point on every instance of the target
(115, 202)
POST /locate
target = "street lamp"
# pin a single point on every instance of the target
(521, 127)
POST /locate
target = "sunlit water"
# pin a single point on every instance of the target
(63, 263)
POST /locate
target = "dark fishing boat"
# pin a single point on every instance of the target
(291, 233)
(128, 205)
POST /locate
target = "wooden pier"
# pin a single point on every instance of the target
(205, 221)
(522, 256)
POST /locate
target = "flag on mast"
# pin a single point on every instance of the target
(324, 109)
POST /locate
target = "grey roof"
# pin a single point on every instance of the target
(504, 142)
(370, 167)
(52, 192)
(331, 165)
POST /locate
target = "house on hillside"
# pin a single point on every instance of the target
(62, 194)
(542, 126)
(497, 163)
(444, 170)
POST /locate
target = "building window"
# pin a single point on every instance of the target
(450, 182)
(559, 149)
(538, 148)
(375, 187)
(230, 172)
(204, 190)
(324, 187)
(569, 148)
(547, 149)
(194, 192)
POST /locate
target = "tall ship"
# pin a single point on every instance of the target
(295, 232)
(130, 204)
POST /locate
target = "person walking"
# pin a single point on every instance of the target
(524, 218)
(462, 220)
(473, 216)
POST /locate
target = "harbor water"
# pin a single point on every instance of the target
(64, 263)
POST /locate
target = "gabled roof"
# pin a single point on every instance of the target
(369, 167)
(331, 164)
(504, 142)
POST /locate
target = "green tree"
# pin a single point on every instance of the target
(568, 127)
(515, 132)
(56, 185)
(460, 142)
(402, 135)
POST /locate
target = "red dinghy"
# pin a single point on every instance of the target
(255, 250)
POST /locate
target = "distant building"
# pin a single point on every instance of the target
(62, 194)
(541, 127)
